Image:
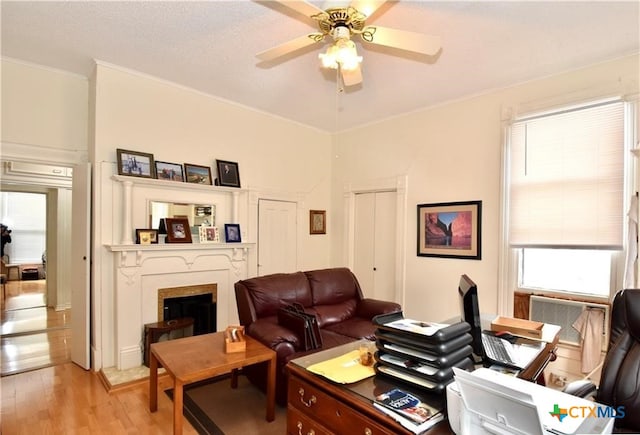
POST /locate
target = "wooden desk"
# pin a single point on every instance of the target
(317, 405)
(201, 357)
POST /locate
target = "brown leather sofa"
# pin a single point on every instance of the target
(333, 295)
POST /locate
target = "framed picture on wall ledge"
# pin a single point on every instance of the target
(228, 173)
(178, 230)
(135, 163)
(232, 233)
(450, 229)
(197, 174)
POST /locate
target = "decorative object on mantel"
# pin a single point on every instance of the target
(228, 173)
(209, 234)
(232, 233)
(317, 222)
(197, 174)
(169, 171)
(450, 230)
(135, 163)
(178, 230)
(234, 339)
(162, 230)
(146, 236)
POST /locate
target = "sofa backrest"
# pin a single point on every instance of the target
(268, 293)
(332, 286)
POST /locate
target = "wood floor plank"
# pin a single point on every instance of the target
(67, 399)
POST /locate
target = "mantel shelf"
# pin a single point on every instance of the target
(158, 247)
(163, 184)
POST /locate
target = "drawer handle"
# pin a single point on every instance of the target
(311, 431)
(367, 431)
(308, 403)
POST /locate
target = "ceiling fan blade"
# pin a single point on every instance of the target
(404, 40)
(288, 47)
(351, 77)
(302, 7)
(367, 7)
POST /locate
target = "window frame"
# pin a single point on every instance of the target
(509, 256)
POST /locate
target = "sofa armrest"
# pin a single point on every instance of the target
(369, 308)
(271, 334)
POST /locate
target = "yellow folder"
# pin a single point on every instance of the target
(344, 369)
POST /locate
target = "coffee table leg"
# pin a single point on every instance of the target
(271, 388)
(177, 407)
(153, 383)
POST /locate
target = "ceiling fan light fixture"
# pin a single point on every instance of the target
(343, 52)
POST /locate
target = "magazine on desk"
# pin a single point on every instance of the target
(408, 410)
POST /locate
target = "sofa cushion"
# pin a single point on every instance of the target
(270, 292)
(331, 286)
(334, 313)
(355, 327)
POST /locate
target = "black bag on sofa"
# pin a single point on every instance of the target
(303, 324)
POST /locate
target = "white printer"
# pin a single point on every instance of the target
(489, 402)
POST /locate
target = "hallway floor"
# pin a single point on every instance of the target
(32, 335)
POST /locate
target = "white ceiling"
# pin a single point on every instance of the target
(210, 46)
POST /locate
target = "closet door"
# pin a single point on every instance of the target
(277, 237)
(375, 244)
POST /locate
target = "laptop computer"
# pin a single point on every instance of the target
(517, 353)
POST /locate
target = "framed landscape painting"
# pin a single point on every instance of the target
(197, 174)
(450, 229)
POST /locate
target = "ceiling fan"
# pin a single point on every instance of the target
(341, 23)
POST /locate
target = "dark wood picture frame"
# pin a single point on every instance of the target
(178, 230)
(135, 163)
(450, 229)
(146, 236)
(317, 222)
(197, 174)
(169, 171)
(228, 173)
(232, 233)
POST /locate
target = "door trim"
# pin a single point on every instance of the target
(391, 184)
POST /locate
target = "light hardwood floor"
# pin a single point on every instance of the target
(63, 398)
(66, 399)
(33, 336)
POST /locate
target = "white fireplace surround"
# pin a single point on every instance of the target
(140, 270)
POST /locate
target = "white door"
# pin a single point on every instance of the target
(277, 237)
(375, 244)
(80, 264)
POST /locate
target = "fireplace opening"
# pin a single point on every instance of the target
(199, 307)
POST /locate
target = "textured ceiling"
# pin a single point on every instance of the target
(210, 46)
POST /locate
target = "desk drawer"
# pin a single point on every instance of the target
(334, 414)
(300, 424)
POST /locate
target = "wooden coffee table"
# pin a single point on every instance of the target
(201, 357)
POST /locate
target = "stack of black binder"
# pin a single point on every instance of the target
(422, 354)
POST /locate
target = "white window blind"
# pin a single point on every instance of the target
(567, 179)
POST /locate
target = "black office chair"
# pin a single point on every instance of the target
(620, 377)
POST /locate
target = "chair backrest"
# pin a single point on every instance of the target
(619, 381)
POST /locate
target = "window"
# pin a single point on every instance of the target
(568, 181)
(578, 271)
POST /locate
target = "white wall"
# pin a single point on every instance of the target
(453, 153)
(48, 108)
(277, 159)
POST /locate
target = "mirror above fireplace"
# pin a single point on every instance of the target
(198, 214)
